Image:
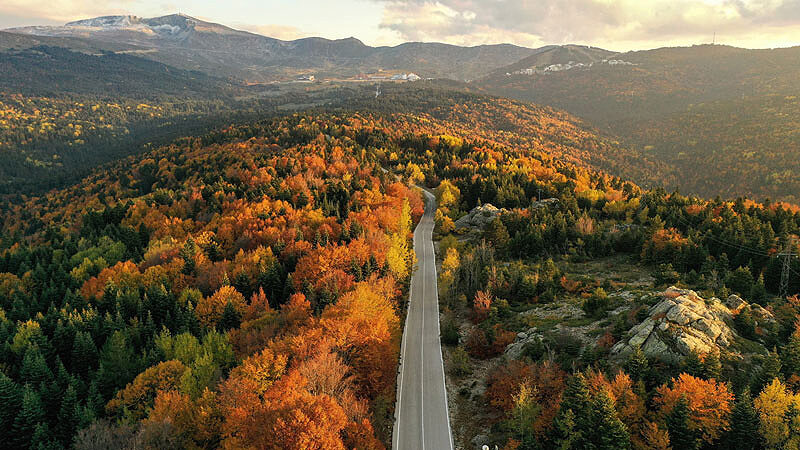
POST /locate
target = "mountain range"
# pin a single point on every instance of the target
(707, 119)
(188, 43)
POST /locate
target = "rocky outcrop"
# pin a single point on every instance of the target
(682, 323)
(516, 348)
(546, 203)
(479, 217)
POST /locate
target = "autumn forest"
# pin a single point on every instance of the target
(188, 261)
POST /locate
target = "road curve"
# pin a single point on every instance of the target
(421, 415)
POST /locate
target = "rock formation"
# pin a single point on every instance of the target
(682, 323)
(478, 218)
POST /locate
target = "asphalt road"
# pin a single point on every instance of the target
(422, 421)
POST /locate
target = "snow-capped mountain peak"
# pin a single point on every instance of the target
(106, 22)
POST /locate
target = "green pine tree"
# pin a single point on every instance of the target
(712, 367)
(692, 364)
(31, 413)
(681, 437)
(790, 355)
(566, 433)
(497, 234)
(608, 432)
(34, 369)
(770, 369)
(42, 439)
(68, 416)
(188, 253)
(231, 318)
(743, 432)
(576, 404)
(637, 365)
(117, 365)
(84, 354)
(11, 401)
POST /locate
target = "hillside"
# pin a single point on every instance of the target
(49, 71)
(64, 113)
(233, 288)
(709, 107)
(192, 44)
(557, 54)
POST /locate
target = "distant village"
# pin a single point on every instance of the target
(380, 75)
(568, 66)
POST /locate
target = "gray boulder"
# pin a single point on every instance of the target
(680, 324)
(479, 217)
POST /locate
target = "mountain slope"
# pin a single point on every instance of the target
(701, 112)
(55, 70)
(557, 54)
(193, 44)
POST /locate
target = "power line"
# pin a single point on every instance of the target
(787, 259)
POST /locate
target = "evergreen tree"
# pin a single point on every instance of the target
(567, 435)
(712, 367)
(117, 365)
(188, 253)
(740, 281)
(497, 235)
(231, 318)
(692, 364)
(608, 432)
(758, 293)
(770, 369)
(743, 432)
(790, 355)
(84, 354)
(10, 403)
(68, 416)
(576, 404)
(51, 394)
(34, 369)
(637, 365)
(30, 415)
(42, 439)
(681, 437)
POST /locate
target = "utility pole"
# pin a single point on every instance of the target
(787, 262)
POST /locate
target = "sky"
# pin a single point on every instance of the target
(612, 24)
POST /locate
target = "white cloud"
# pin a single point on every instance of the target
(618, 24)
(614, 24)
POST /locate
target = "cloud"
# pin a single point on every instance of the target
(614, 23)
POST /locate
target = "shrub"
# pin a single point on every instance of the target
(460, 364)
(450, 332)
(597, 303)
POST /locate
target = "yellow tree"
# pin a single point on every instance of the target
(209, 310)
(778, 428)
(447, 194)
(400, 257)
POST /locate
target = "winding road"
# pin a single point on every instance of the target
(422, 420)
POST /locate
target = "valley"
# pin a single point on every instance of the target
(212, 238)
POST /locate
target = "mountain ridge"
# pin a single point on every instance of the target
(189, 43)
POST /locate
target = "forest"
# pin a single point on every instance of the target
(52, 141)
(708, 119)
(245, 288)
(240, 290)
(560, 392)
